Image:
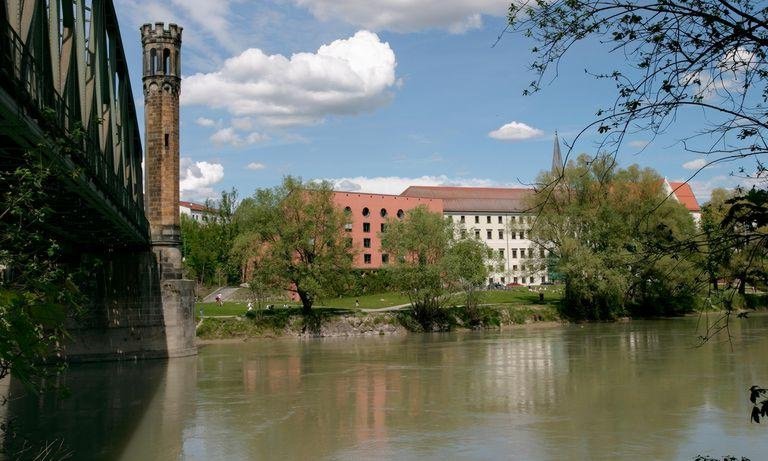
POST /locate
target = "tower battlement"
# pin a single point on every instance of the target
(158, 33)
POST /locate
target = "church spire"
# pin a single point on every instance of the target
(557, 159)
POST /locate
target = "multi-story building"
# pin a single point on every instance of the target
(496, 216)
(368, 215)
(195, 211)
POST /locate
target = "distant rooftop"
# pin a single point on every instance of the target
(684, 194)
(472, 199)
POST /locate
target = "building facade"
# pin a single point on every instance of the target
(368, 214)
(196, 211)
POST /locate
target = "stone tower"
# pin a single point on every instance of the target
(162, 84)
(557, 159)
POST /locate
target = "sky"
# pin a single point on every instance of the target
(378, 95)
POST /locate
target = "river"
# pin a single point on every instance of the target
(634, 390)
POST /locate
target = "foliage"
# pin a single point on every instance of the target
(433, 260)
(609, 230)
(291, 238)
(207, 244)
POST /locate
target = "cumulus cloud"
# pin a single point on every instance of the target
(196, 178)
(233, 138)
(396, 184)
(206, 122)
(638, 144)
(515, 131)
(695, 164)
(347, 76)
(455, 16)
(256, 166)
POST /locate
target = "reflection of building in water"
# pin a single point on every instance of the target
(272, 373)
(521, 372)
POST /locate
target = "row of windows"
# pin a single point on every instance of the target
(383, 212)
(492, 280)
(499, 219)
(367, 258)
(499, 232)
(366, 227)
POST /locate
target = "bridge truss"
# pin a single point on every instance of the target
(63, 76)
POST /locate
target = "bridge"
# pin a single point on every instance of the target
(65, 94)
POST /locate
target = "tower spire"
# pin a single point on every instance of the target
(557, 159)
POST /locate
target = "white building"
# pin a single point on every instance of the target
(497, 217)
(195, 211)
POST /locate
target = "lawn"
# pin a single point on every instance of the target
(374, 301)
(522, 296)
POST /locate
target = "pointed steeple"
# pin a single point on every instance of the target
(557, 159)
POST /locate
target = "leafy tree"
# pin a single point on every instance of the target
(608, 230)
(292, 237)
(432, 262)
(207, 244)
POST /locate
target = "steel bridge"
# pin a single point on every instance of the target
(65, 93)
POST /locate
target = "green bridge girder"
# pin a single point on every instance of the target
(63, 76)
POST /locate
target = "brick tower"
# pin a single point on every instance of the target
(162, 84)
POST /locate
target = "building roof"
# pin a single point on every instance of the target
(684, 194)
(471, 199)
(195, 206)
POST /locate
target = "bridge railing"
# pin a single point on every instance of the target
(26, 79)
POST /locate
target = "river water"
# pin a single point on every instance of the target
(635, 390)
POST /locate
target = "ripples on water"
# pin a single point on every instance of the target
(636, 390)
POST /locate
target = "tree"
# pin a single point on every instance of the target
(608, 230)
(292, 237)
(431, 262)
(207, 244)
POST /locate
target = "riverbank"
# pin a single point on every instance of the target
(339, 323)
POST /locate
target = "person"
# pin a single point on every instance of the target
(250, 306)
(357, 303)
(218, 299)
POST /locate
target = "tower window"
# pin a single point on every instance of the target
(166, 139)
(152, 61)
(167, 61)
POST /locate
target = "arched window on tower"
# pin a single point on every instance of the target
(166, 61)
(152, 61)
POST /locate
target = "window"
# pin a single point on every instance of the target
(383, 212)
(500, 220)
(514, 279)
(512, 235)
(488, 219)
(462, 219)
(477, 234)
(463, 233)
(366, 227)
(367, 258)
(347, 210)
(366, 212)
(166, 139)
(348, 227)
(400, 214)
(366, 243)
(501, 234)
(383, 227)
(514, 267)
(530, 252)
(489, 234)
(522, 269)
(513, 219)
(490, 280)
(503, 280)
(385, 259)
(477, 219)
(543, 280)
(501, 252)
(514, 253)
(522, 253)
(531, 280)
(522, 235)
(541, 252)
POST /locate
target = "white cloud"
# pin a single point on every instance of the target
(638, 144)
(695, 164)
(702, 188)
(455, 16)
(256, 166)
(396, 184)
(347, 76)
(233, 138)
(196, 178)
(515, 131)
(206, 122)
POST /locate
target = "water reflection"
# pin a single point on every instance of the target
(635, 390)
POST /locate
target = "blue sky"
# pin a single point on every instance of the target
(378, 95)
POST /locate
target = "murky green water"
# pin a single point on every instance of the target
(634, 390)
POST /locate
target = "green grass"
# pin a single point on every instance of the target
(374, 301)
(236, 308)
(521, 296)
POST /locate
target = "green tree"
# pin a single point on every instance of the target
(431, 262)
(292, 238)
(608, 230)
(207, 244)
